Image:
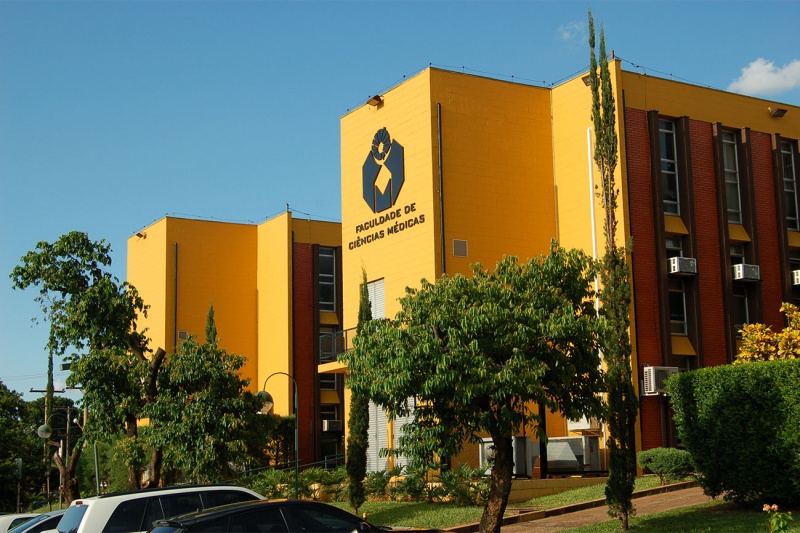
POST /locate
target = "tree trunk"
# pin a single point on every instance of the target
(500, 486)
(156, 462)
(69, 489)
(131, 432)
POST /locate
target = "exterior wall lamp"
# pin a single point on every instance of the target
(266, 398)
(375, 100)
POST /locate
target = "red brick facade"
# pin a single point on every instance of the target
(305, 331)
(713, 340)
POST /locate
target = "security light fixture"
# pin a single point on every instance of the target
(776, 112)
(375, 100)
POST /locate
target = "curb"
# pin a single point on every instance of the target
(526, 515)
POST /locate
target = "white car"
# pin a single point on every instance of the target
(10, 521)
(40, 523)
(135, 511)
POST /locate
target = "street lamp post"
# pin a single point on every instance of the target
(268, 403)
(44, 432)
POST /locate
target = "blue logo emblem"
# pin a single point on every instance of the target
(386, 156)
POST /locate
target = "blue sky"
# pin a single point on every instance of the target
(115, 114)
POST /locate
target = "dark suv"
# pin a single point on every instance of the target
(268, 517)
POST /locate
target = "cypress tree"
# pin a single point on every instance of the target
(358, 422)
(621, 402)
(211, 326)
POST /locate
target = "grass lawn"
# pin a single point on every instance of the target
(442, 515)
(716, 516)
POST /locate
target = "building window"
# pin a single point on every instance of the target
(674, 246)
(327, 381)
(327, 279)
(730, 161)
(669, 167)
(741, 314)
(741, 308)
(789, 187)
(737, 254)
(376, 299)
(329, 412)
(677, 307)
(677, 290)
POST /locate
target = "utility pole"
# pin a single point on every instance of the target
(19, 482)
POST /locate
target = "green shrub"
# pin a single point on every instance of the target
(377, 484)
(669, 464)
(465, 485)
(272, 484)
(740, 423)
(334, 483)
(416, 483)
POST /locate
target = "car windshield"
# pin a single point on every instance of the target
(72, 519)
(26, 525)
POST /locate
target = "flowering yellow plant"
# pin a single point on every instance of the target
(760, 343)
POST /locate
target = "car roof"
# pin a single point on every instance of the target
(224, 510)
(156, 490)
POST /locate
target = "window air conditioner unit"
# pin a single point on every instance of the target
(332, 425)
(684, 266)
(744, 272)
(795, 277)
(654, 378)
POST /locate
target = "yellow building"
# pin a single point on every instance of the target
(275, 287)
(449, 169)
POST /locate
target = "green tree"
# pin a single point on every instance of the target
(18, 441)
(89, 309)
(478, 353)
(621, 403)
(203, 413)
(358, 421)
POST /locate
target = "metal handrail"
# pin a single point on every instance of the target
(332, 345)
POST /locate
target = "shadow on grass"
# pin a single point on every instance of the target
(712, 517)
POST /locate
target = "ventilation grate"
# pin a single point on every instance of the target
(459, 248)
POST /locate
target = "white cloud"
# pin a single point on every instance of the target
(763, 77)
(572, 31)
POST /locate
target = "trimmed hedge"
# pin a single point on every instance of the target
(669, 464)
(741, 423)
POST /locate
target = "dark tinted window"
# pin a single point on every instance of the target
(28, 523)
(72, 519)
(178, 504)
(154, 512)
(215, 526)
(321, 519)
(215, 498)
(260, 521)
(48, 523)
(18, 521)
(127, 517)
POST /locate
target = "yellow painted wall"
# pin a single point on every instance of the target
(675, 99)
(216, 264)
(403, 258)
(316, 232)
(147, 271)
(497, 167)
(275, 309)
